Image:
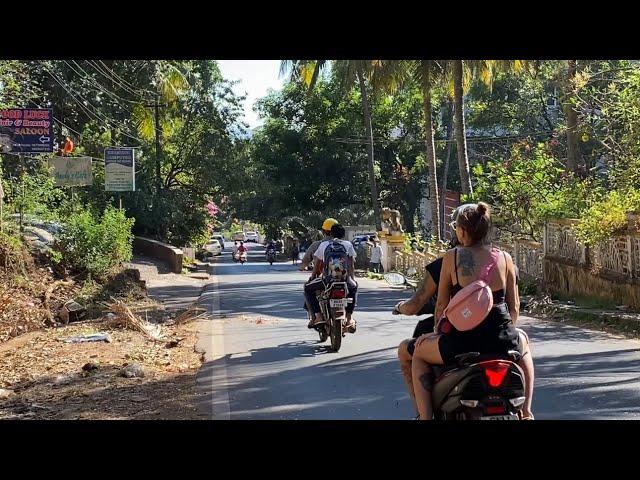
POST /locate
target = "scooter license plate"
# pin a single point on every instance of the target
(500, 417)
(338, 303)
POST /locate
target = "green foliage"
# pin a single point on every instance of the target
(527, 188)
(11, 259)
(31, 191)
(607, 216)
(96, 245)
(527, 288)
(109, 105)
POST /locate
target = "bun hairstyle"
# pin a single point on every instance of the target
(476, 221)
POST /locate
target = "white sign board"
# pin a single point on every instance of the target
(71, 171)
(119, 170)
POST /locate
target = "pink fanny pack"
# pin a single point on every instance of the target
(470, 306)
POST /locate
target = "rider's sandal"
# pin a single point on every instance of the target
(528, 417)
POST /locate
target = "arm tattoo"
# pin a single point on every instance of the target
(422, 289)
(466, 262)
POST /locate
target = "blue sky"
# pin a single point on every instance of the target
(256, 77)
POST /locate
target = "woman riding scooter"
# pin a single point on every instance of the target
(423, 302)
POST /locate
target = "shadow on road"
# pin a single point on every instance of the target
(362, 386)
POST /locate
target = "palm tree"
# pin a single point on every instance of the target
(170, 83)
(460, 129)
(389, 75)
(462, 72)
(445, 168)
(349, 72)
(572, 118)
(425, 72)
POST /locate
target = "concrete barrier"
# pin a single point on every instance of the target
(156, 249)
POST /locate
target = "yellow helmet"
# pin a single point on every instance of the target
(328, 223)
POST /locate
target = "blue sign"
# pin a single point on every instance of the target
(26, 130)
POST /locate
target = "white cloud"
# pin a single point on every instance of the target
(256, 76)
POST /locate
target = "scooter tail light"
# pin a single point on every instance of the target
(496, 374)
(496, 409)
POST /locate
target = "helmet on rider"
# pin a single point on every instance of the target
(327, 224)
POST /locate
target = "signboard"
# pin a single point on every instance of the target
(71, 171)
(119, 170)
(26, 130)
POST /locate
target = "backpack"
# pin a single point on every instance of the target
(470, 306)
(336, 261)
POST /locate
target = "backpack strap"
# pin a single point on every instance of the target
(455, 263)
(486, 270)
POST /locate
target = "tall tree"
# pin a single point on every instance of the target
(460, 130)
(350, 72)
(573, 152)
(426, 71)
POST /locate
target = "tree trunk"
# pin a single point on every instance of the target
(461, 140)
(445, 172)
(369, 130)
(573, 153)
(431, 155)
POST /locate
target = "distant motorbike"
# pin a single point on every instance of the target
(271, 256)
(240, 257)
(333, 304)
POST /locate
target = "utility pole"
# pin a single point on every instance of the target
(156, 114)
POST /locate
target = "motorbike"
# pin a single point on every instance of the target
(333, 303)
(240, 257)
(271, 256)
(478, 387)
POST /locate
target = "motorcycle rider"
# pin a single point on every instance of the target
(271, 249)
(241, 249)
(424, 302)
(326, 230)
(496, 334)
(319, 279)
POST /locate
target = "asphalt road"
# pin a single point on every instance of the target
(262, 362)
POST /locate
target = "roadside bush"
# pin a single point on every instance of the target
(93, 245)
(606, 217)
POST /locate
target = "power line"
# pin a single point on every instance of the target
(106, 75)
(112, 72)
(93, 115)
(55, 119)
(479, 139)
(100, 87)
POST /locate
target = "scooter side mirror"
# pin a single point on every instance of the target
(395, 279)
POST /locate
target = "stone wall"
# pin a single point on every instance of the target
(156, 249)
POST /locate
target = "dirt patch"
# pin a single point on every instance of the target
(49, 382)
(620, 323)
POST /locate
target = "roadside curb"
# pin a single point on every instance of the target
(210, 345)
